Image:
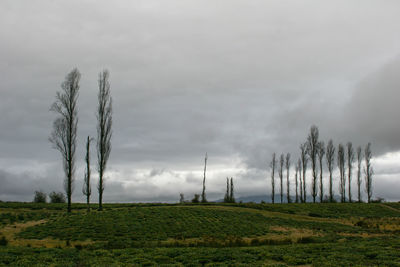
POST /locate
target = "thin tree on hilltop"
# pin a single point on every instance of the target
(273, 165)
(87, 189)
(227, 193)
(350, 161)
(341, 164)
(321, 153)
(312, 149)
(104, 130)
(203, 194)
(281, 162)
(359, 159)
(287, 163)
(232, 195)
(304, 162)
(296, 177)
(368, 171)
(330, 161)
(63, 136)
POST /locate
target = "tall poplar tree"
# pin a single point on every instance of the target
(359, 159)
(330, 161)
(63, 136)
(281, 163)
(104, 130)
(312, 149)
(273, 166)
(350, 161)
(321, 153)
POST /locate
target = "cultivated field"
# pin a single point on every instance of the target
(331, 234)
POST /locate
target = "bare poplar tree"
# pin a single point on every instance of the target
(227, 194)
(203, 194)
(232, 196)
(368, 171)
(281, 163)
(350, 161)
(304, 162)
(289, 200)
(104, 130)
(63, 136)
(296, 177)
(87, 189)
(330, 161)
(359, 159)
(341, 164)
(321, 153)
(273, 165)
(312, 149)
(300, 185)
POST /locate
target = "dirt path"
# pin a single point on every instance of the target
(11, 230)
(389, 207)
(10, 233)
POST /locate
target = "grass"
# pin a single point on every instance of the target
(342, 234)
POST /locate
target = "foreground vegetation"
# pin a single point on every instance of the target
(330, 234)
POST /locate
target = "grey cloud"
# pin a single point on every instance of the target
(236, 79)
(374, 108)
(21, 187)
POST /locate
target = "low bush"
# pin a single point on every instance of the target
(57, 197)
(196, 198)
(3, 241)
(40, 197)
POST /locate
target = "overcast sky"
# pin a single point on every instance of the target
(237, 79)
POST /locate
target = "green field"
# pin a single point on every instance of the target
(328, 234)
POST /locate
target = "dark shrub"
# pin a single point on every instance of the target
(196, 198)
(378, 200)
(57, 197)
(40, 197)
(3, 241)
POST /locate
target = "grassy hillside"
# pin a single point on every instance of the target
(212, 234)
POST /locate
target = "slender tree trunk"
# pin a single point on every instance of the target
(296, 177)
(282, 161)
(101, 191)
(350, 160)
(304, 184)
(359, 159)
(273, 165)
(330, 187)
(321, 185)
(300, 182)
(304, 161)
(368, 171)
(87, 191)
(203, 194)
(289, 200)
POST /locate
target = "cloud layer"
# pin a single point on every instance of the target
(237, 79)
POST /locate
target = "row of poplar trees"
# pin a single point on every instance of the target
(314, 151)
(64, 134)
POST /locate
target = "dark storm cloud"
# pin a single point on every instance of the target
(375, 106)
(236, 79)
(21, 187)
